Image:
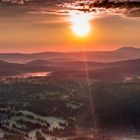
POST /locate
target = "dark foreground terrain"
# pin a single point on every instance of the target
(68, 108)
(60, 96)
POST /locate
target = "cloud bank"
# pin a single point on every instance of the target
(130, 8)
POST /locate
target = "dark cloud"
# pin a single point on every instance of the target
(130, 8)
(133, 12)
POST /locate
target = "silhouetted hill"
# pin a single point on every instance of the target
(7, 69)
(4, 64)
(120, 54)
(112, 70)
(128, 51)
(124, 53)
(37, 63)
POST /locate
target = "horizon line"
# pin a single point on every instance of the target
(49, 51)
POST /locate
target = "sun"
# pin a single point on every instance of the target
(81, 29)
(80, 23)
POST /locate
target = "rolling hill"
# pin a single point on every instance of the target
(120, 54)
(97, 70)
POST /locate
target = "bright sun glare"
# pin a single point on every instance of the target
(80, 23)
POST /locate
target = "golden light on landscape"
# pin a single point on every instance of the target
(80, 23)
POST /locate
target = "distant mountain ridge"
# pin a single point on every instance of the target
(120, 54)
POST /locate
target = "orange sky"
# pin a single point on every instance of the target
(33, 32)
